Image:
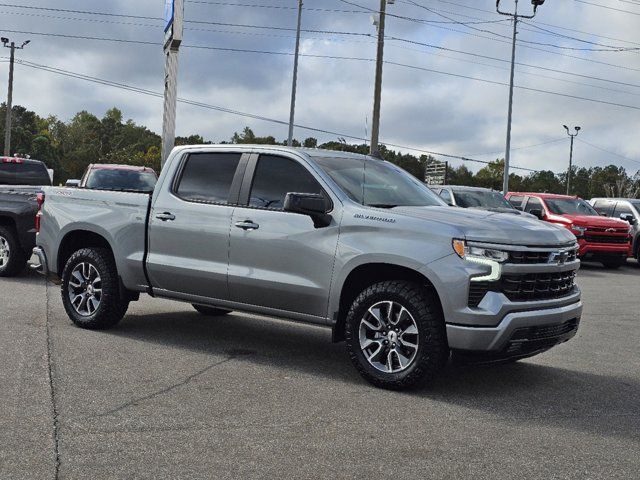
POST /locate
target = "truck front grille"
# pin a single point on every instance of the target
(531, 257)
(525, 288)
(538, 286)
(607, 239)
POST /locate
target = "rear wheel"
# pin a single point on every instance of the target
(211, 311)
(395, 335)
(12, 258)
(90, 289)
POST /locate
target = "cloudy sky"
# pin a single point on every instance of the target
(445, 84)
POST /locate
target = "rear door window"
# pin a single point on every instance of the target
(516, 201)
(534, 204)
(604, 207)
(446, 196)
(623, 208)
(207, 177)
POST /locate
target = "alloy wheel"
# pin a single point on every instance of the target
(85, 289)
(388, 336)
(5, 252)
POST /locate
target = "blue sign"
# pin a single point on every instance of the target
(169, 11)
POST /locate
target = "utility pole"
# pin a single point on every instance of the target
(572, 135)
(294, 86)
(374, 148)
(516, 17)
(7, 125)
(174, 27)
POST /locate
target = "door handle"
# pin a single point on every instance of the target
(247, 225)
(165, 216)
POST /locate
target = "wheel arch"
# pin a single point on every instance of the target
(77, 239)
(365, 275)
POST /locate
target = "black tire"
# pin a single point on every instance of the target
(211, 311)
(13, 259)
(432, 349)
(111, 307)
(614, 264)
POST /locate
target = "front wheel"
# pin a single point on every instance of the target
(396, 336)
(91, 291)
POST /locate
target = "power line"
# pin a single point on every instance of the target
(607, 7)
(343, 33)
(406, 18)
(607, 151)
(519, 148)
(337, 57)
(130, 88)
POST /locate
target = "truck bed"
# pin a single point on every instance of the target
(119, 217)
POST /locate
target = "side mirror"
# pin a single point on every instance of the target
(536, 212)
(628, 217)
(72, 183)
(311, 204)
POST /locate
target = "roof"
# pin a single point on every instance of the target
(111, 166)
(545, 195)
(312, 152)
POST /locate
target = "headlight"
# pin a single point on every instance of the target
(469, 250)
(490, 257)
(577, 231)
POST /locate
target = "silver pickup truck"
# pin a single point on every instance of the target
(324, 237)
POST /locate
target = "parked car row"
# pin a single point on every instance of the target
(337, 239)
(606, 229)
(21, 185)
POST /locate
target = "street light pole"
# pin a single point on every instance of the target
(572, 135)
(7, 125)
(294, 86)
(374, 148)
(516, 17)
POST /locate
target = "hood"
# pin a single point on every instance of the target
(493, 227)
(596, 221)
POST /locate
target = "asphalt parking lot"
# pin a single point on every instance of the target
(173, 394)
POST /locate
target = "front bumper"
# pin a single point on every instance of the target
(588, 249)
(519, 333)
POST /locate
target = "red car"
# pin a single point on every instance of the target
(601, 239)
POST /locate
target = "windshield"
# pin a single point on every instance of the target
(377, 183)
(570, 206)
(121, 180)
(481, 199)
(636, 203)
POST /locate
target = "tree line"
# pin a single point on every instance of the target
(68, 147)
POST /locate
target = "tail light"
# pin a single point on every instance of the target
(11, 160)
(40, 200)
